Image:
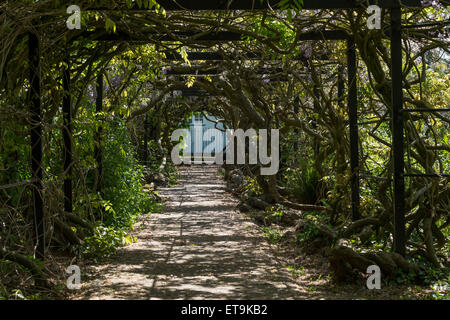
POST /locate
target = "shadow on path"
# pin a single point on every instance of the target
(198, 248)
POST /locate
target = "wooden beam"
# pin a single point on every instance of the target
(397, 132)
(146, 138)
(34, 58)
(216, 56)
(98, 133)
(197, 36)
(199, 5)
(197, 71)
(217, 36)
(353, 120)
(103, 35)
(67, 139)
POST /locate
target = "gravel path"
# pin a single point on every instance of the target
(199, 247)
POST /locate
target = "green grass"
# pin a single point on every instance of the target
(297, 271)
(273, 235)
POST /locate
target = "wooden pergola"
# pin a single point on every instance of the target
(394, 8)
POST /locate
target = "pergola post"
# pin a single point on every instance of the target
(341, 86)
(67, 139)
(296, 131)
(98, 134)
(146, 125)
(397, 131)
(316, 104)
(36, 142)
(353, 120)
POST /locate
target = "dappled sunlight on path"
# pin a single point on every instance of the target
(199, 247)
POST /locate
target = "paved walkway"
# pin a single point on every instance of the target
(200, 247)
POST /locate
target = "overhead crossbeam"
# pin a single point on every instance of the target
(219, 36)
(200, 72)
(172, 5)
(195, 92)
(216, 56)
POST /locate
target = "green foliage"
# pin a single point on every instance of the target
(401, 277)
(309, 229)
(273, 235)
(291, 4)
(302, 182)
(440, 290)
(297, 271)
(122, 198)
(172, 173)
(13, 277)
(252, 187)
(274, 213)
(432, 275)
(104, 242)
(437, 279)
(17, 294)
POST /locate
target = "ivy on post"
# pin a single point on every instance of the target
(146, 127)
(36, 142)
(397, 131)
(67, 138)
(341, 86)
(317, 108)
(296, 131)
(98, 133)
(353, 120)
